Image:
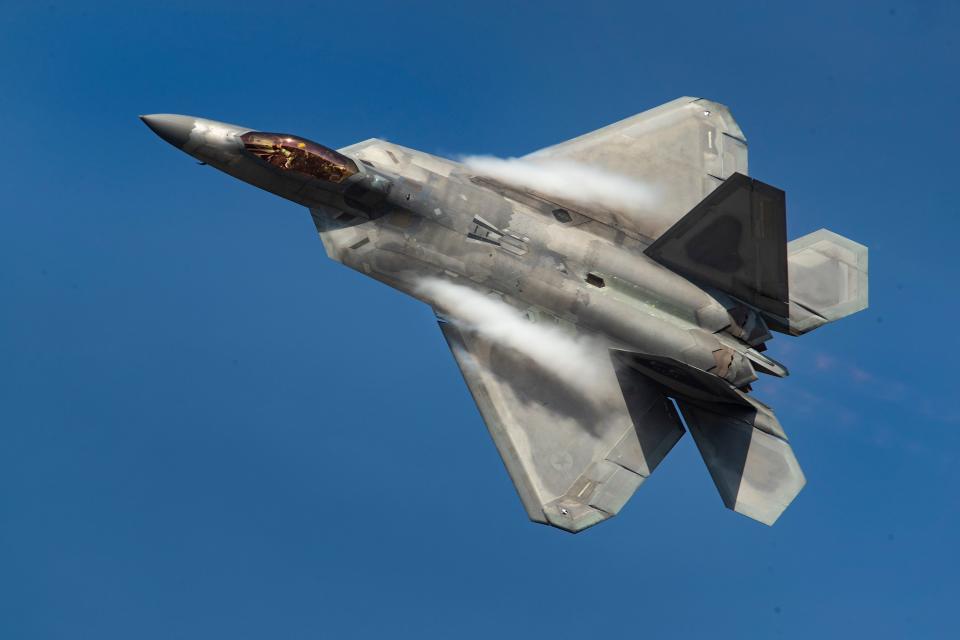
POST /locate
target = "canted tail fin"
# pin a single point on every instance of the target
(735, 241)
(828, 279)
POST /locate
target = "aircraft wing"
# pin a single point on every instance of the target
(574, 458)
(683, 150)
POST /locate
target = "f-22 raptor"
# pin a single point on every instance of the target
(592, 292)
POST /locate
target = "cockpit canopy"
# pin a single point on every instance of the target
(291, 153)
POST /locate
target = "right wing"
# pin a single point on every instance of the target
(683, 149)
(574, 459)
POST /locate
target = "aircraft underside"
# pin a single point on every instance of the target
(582, 324)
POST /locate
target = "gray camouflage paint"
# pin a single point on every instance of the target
(407, 216)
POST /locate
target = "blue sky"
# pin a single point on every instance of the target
(208, 429)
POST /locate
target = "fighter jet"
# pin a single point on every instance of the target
(599, 295)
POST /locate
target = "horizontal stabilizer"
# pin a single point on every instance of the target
(828, 279)
(734, 240)
(740, 439)
(748, 456)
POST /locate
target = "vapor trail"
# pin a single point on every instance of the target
(567, 180)
(580, 362)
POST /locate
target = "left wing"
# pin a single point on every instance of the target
(574, 457)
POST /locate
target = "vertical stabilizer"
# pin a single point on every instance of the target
(734, 240)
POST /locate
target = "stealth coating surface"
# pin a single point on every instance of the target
(734, 240)
(676, 295)
(575, 460)
(754, 470)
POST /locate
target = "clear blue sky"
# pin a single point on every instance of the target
(209, 430)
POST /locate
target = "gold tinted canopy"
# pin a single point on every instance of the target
(291, 153)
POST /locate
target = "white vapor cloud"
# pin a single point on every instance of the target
(580, 362)
(568, 180)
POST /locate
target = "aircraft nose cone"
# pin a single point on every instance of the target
(172, 128)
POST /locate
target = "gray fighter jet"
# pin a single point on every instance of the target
(588, 291)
